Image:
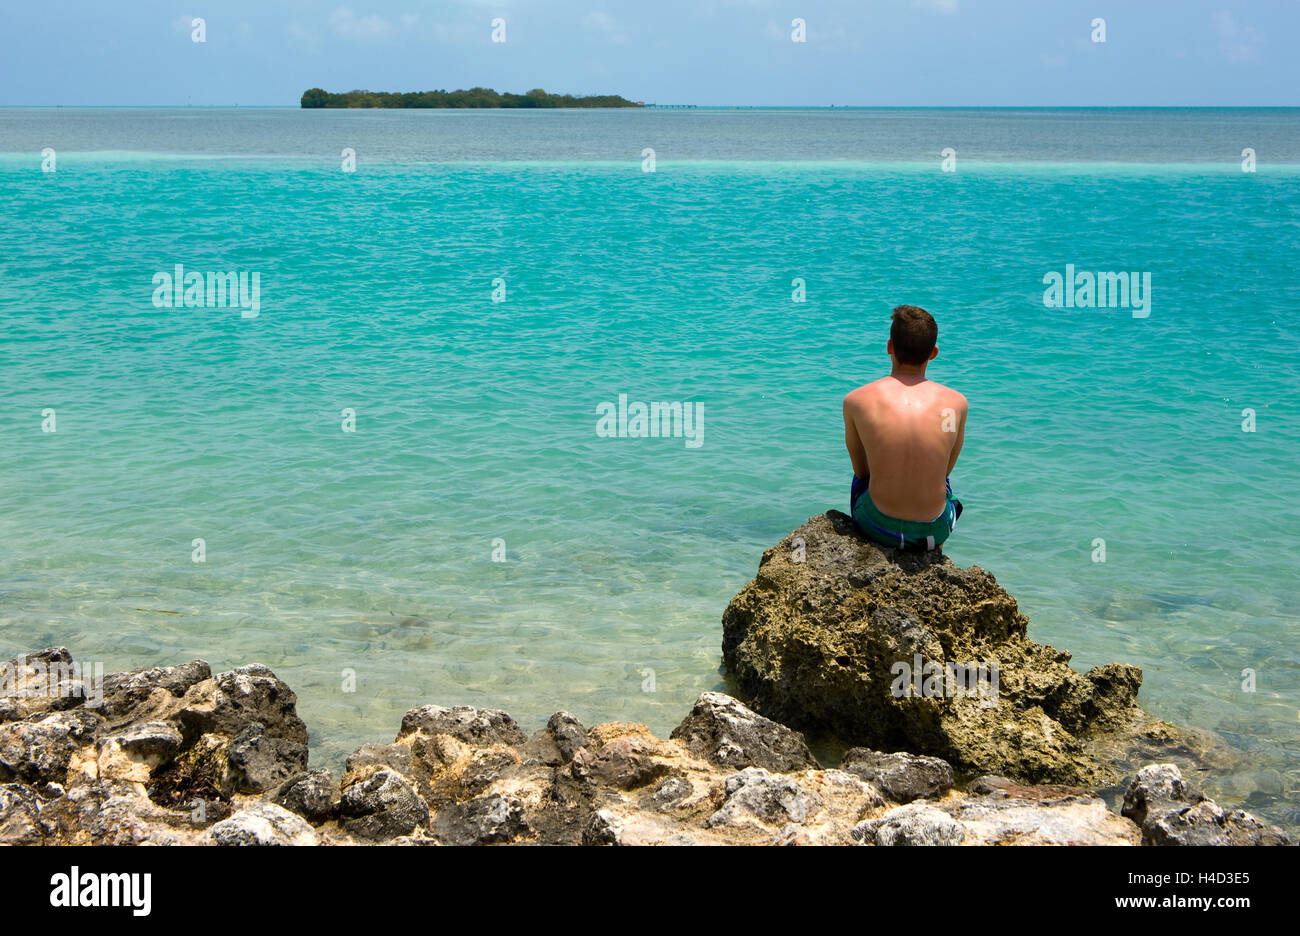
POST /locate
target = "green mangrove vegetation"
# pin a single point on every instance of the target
(473, 97)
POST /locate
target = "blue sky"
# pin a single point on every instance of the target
(858, 52)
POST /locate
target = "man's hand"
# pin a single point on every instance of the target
(857, 454)
(961, 435)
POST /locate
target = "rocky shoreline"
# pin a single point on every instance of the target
(177, 755)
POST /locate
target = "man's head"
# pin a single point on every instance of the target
(912, 336)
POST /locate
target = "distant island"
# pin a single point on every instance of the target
(474, 97)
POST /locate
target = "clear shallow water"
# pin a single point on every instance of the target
(372, 551)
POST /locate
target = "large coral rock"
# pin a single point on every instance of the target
(900, 776)
(41, 748)
(1008, 813)
(178, 756)
(314, 795)
(230, 702)
(725, 732)
(1172, 811)
(263, 824)
(42, 681)
(839, 636)
(753, 794)
(152, 689)
(913, 824)
(384, 805)
(486, 820)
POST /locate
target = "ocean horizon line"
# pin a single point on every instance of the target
(682, 106)
(970, 165)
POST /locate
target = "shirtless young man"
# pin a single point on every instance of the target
(904, 434)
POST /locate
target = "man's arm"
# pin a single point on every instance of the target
(857, 453)
(961, 437)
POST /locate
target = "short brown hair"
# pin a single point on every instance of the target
(913, 333)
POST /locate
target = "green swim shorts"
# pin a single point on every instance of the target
(912, 535)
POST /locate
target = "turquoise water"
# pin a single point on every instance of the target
(372, 551)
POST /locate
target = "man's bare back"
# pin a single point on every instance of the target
(904, 433)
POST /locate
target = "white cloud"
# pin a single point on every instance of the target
(710, 9)
(601, 24)
(1238, 44)
(360, 29)
(1052, 61)
(946, 7)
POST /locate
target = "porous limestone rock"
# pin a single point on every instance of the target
(913, 824)
(177, 756)
(907, 652)
(901, 776)
(726, 732)
(382, 806)
(314, 795)
(1171, 811)
(263, 824)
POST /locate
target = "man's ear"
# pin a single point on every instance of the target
(934, 353)
(889, 347)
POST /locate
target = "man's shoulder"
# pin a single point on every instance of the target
(866, 390)
(861, 401)
(950, 395)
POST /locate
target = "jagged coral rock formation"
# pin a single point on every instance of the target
(905, 652)
(174, 755)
